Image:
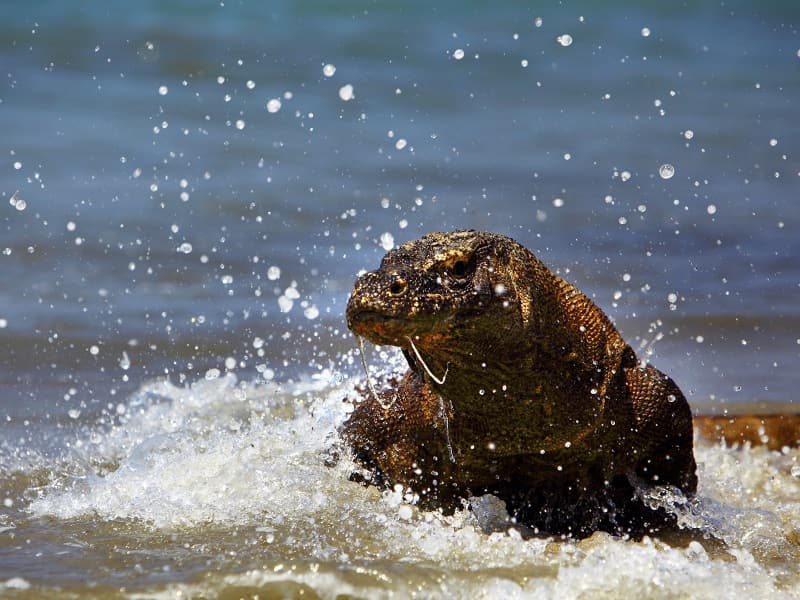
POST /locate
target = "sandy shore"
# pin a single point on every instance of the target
(773, 430)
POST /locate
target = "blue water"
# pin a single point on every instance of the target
(81, 116)
(130, 130)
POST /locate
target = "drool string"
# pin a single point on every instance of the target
(447, 429)
(424, 366)
(370, 385)
(441, 381)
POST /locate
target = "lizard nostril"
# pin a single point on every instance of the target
(398, 287)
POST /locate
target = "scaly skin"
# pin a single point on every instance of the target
(518, 386)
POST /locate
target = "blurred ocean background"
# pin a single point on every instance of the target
(188, 189)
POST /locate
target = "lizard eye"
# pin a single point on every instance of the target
(398, 287)
(457, 271)
(460, 268)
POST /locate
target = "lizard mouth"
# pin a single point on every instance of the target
(379, 328)
(390, 331)
(395, 330)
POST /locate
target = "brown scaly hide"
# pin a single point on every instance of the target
(518, 386)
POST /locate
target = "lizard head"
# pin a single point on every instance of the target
(443, 286)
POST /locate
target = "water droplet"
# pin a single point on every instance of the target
(17, 165)
(711, 209)
(18, 202)
(273, 273)
(538, 23)
(645, 32)
(3, 323)
(400, 144)
(695, 550)
(212, 374)
(250, 84)
(458, 53)
(285, 304)
(524, 63)
(240, 124)
(185, 248)
(564, 39)
(688, 134)
(94, 350)
(163, 90)
(666, 171)
(346, 92)
(125, 361)
(625, 175)
(273, 105)
(387, 241)
(328, 70)
(148, 52)
(773, 142)
(558, 202)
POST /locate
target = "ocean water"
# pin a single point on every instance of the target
(188, 190)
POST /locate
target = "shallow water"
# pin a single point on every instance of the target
(221, 488)
(188, 190)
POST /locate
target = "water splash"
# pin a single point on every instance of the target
(241, 468)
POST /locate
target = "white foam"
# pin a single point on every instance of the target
(600, 567)
(17, 584)
(252, 455)
(216, 451)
